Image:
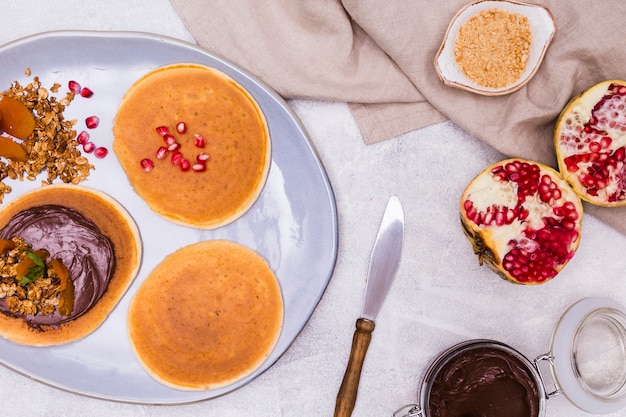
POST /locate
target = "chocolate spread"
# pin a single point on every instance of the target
(77, 241)
(484, 382)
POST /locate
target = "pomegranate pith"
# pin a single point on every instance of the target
(523, 220)
(590, 142)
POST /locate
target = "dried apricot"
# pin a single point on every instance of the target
(6, 245)
(66, 286)
(16, 119)
(32, 266)
(11, 149)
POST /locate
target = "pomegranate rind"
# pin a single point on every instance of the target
(591, 150)
(526, 230)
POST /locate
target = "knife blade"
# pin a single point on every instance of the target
(384, 263)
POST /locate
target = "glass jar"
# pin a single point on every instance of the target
(586, 363)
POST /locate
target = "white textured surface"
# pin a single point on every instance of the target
(441, 296)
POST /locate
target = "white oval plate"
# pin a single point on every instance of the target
(293, 224)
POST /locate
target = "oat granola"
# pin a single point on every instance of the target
(39, 295)
(52, 146)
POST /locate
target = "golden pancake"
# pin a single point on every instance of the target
(97, 241)
(208, 315)
(178, 184)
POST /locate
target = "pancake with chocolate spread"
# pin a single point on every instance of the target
(212, 143)
(208, 315)
(95, 239)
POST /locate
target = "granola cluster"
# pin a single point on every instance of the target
(52, 146)
(41, 296)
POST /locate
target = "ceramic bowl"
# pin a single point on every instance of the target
(542, 26)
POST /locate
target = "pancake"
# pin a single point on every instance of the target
(208, 315)
(97, 241)
(211, 105)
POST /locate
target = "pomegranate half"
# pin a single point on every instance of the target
(590, 142)
(522, 219)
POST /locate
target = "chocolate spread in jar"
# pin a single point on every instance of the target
(484, 381)
(78, 243)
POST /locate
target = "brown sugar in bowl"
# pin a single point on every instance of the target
(523, 61)
(221, 122)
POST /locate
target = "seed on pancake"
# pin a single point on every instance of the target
(161, 153)
(174, 146)
(92, 122)
(181, 127)
(168, 138)
(199, 141)
(146, 164)
(199, 167)
(203, 157)
(184, 164)
(176, 157)
(162, 130)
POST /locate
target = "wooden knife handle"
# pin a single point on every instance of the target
(346, 398)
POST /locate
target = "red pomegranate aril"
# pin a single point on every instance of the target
(198, 167)
(181, 127)
(82, 138)
(89, 147)
(199, 141)
(146, 164)
(169, 139)
(86, 92)
(100, 152)
(184, 164)
(174, 146)
(74, 87)
(162, 130)
(161, 153)
(203, 157)
(92, 122)
(176, 157)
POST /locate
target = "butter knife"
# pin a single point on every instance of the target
(384, 262)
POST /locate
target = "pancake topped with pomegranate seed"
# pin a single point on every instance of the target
(194, 145)
(67, 255)
(208, 315)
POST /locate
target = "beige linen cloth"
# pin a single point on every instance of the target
(378, 55)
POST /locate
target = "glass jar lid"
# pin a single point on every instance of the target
(589, 350)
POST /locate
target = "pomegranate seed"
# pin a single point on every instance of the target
(100, 152)
(203, 157)
(89, 147)
(169, 139)
(176, 157)
(181, 127)
(174, 146)
(83, 137)
(199, 141)
(86, 92)
(146, 164)
(92, 122)
(198, 167)
(73, 86)
(184, 164)
(162, 152)
(162, 130)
